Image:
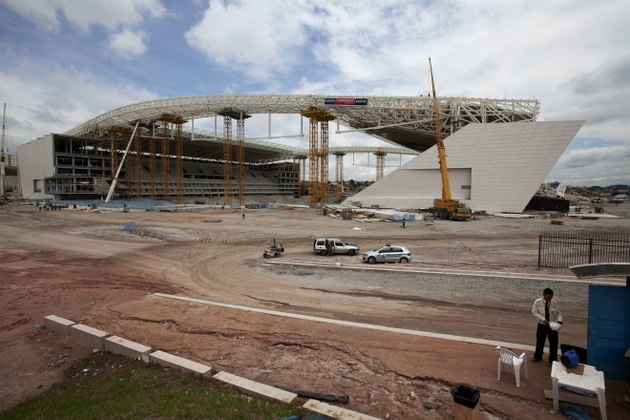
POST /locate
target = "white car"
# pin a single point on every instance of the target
(388, 253)
(338, 246)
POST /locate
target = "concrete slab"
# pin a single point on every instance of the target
(128, 348)
(170, 360)
(615, 269)
(335, 412)
(58, 324)
(354, 324)
(257, 388)
(89, 336)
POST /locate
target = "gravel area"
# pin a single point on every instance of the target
(462, 303)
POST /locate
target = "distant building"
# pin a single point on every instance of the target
(492, 167)
(65, 167)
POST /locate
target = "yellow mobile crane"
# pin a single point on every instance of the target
(446, 207)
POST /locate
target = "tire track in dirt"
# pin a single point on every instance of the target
(384, 374)
(305, 356)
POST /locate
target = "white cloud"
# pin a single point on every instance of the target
(571, 55)
(258, 38)
(601, 97)
(56, 99)
(491, 49)
(594, 166)
(82, 14)
(128, 44)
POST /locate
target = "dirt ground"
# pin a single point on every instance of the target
(83, 266)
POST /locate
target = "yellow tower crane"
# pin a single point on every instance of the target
(445, 207)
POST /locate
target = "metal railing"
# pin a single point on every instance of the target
(562, 248)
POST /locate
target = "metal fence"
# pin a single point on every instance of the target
(562, 248)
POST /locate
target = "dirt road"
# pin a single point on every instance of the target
(83, 266)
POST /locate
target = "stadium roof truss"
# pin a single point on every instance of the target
(405, 121)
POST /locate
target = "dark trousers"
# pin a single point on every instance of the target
(542, 333)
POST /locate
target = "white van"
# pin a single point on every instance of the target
(338, 246)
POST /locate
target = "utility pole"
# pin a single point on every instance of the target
(2, 154)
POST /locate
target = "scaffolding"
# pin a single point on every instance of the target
(130, 172)
(83, 167)
(240, 159)
(227, 160)
(301, 187)
(113, 149)
(380, 164)
(339, 175)
(323, 162)
(318, 154)
(228, 115)
(170, 124)
(165, 165)
(152, 168)
(137, 167)
(313, 161)
(179, 165)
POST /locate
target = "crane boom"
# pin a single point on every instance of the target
(439, 136)
(446, 207)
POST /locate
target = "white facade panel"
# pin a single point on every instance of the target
(35, 162)
(505, 164)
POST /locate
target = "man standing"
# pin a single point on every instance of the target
(546, 310)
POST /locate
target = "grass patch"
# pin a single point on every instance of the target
(108, 386)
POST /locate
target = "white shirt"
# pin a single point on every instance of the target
(538, 310)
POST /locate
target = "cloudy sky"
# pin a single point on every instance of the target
(65, 61)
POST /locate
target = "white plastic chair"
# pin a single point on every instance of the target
(506, 357)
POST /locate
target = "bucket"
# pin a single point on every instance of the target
(465, 395)
(581, 352)
(570, 358)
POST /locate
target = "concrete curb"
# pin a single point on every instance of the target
(89, 336)
(335, 412)
(170, 360)
(104, 341)
(58, 324)
(130, 349)
(257, 388)
(409, 268)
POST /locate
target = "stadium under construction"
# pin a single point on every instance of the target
(142, 151)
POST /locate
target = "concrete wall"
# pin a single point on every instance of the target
(504, 164)
(35, 162)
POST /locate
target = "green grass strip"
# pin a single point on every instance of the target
(108, 386)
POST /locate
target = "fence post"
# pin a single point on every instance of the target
(590, 250)
(539, 248)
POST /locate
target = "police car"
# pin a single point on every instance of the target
(388, 253)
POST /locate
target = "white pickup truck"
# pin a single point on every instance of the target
(338, 246)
